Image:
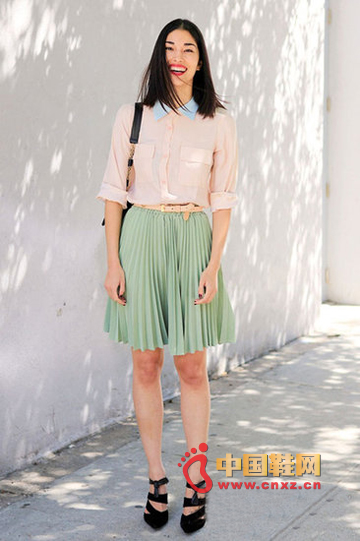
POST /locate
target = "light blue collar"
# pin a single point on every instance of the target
(191, 105)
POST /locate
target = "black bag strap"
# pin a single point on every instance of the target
(135, 130)
(134, 136)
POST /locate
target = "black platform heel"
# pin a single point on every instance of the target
(156, 518)
(194, 521)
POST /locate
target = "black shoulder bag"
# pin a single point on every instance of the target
(134, 137)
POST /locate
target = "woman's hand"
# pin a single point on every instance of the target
(115, 277)
(209, 281)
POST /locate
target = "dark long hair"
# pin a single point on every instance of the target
(156, 82)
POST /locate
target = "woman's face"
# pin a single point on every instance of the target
(182, 54)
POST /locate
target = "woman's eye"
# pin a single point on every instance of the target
(186, 50)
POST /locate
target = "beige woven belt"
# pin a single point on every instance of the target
(186, 209)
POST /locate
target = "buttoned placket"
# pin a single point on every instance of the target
(165, 157)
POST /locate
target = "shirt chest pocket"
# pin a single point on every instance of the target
(195, 165)
(143, 161)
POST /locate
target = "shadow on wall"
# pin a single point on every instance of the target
(65, 69)
(269, 59)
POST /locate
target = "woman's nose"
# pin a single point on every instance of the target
(176, 56)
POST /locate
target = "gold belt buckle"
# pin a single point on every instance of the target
(162, 208)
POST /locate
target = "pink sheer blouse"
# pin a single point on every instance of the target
(180, 158)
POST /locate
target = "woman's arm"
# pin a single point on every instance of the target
(220, 227)
(113, 218)
(115, 274)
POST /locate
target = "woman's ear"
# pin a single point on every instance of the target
(199, 64)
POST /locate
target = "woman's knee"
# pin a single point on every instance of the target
(192, 369)
(147, 365)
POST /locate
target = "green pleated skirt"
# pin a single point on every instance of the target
(163, 257)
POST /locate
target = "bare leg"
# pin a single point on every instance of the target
(149, 409)
(195, 397)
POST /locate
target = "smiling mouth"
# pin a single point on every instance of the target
(177, 71)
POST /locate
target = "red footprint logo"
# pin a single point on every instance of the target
(203, 461)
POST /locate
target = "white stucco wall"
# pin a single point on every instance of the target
(65, 69)
(342, 246)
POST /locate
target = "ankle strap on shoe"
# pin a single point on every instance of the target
(161, 498)
(157, 484)
(199, 484)
(194, 499)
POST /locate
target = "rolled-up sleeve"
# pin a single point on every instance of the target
(113, 185)
(225, 166)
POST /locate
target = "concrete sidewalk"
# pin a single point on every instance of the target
(304, 398)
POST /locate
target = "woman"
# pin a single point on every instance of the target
(164, 259)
